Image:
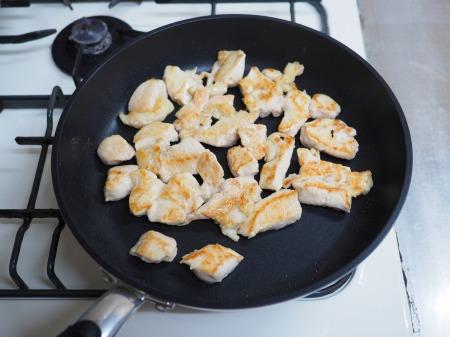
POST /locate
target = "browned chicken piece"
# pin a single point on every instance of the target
(323, 183)
(146, 187)
(296, 111)
(331, 136)
(180, 158)
(177, 201)
(224, 132)
(323, 106)
(279, 150)
(278, 210)
(286, 78)
(253, 138)
(212, 263)
(241, 162)
(261, 95)
(119, 183)
(148, 103)
(211, 172)
(114, 149)
(230, 206)
(181, 84)
(155, 132)
(229, 68)
(155, 247)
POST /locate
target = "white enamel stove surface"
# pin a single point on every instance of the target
(373, 304)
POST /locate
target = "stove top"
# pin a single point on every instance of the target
(46, 261)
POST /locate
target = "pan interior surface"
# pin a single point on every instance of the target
(279, 265)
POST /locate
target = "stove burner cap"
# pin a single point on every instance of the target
(92, 35)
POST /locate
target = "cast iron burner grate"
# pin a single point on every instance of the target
(57, 100)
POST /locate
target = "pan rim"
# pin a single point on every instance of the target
(300, 292)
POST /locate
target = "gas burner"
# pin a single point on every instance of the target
(91, 35)
(95, 38)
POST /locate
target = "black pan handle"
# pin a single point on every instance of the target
(107, 315)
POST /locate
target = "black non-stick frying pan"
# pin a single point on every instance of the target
(321, 247)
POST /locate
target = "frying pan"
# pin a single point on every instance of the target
(280, 265)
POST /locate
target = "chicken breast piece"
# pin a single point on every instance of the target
(296, 111)
(149, 157)
(148, 103)
(224, 132)
(229, 68)
(177, 201)
(211, 172)
(119, 183)
(190, 119)
(360, 182)
(241, 162)
(180, 158)
(253, 138)
(286, 78)
(323, 183)
(323, 106)
(114, 149)
(146, 187)
(212, 263)
(305, 155)
(155, 132)
(181, 85)
(278, 158)
(331, 136)
(220, 106)
(261, 94)
(230, 206)
(155, 247)
(278, 210)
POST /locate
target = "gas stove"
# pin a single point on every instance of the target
(46, 262)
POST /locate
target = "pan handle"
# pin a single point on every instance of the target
(108, 314)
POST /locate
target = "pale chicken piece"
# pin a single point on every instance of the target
(155, 132)
(146, 187)
(230, 206)
(323, 106)
(181, 85)
(114, 149)
(191, 118)
(324, 183)
(261, 94)
(148, 103)
(360, 182)
(273, 74)
(177, 201)
(229, 68)
(211, 172)
(278, 158)
(241, 162)
(224, 132)
(212, 263)
(254, 137)
(296, 111)
(149, 157)
(179, 158)
(220, 106)
(331, 136)
(305, 155)
(286, 78)
(278, 210)
(155, 247)
(119, 183)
